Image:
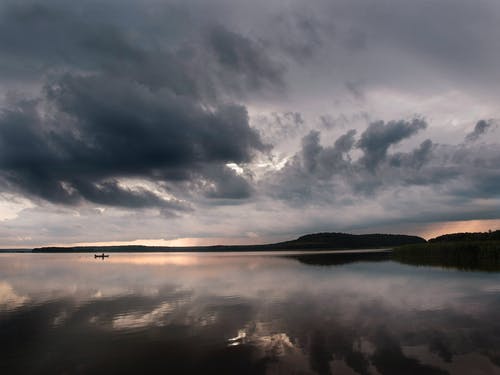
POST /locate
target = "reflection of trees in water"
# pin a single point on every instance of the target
(463, 256)
(333, 259)
(466, 256)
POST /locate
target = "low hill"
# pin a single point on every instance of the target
(478, 251)
(351, 241)
(473, 236)
(317, 241)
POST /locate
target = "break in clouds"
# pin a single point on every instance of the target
(168, 119)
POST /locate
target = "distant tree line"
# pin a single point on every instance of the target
(475, 236)
(316, 241)
(466, 251)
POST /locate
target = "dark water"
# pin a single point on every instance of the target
(243, 314)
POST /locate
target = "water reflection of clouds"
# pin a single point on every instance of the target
(149, 260)
(8, 298)
(252, 277)
(363, 317)
(471, 363)
(137, 320)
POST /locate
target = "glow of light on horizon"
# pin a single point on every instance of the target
(252, 239)
(426, 231)
(150, 259)
(438, 229)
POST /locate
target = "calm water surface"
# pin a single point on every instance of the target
(243, 314)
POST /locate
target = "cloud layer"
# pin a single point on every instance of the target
(216, 116)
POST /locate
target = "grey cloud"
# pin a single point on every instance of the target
(376, 140)
(342, 121)
(247, 58)
(326, 161)
(159, 91)
(109, 193)
(345, 142)
(100, 129)
(299, 33)
(128, 42)
(467, 56)
(330, 174)
(257, 40)
(128, 105)
(37, 38)
(279, 126)
(356, 90)
(311, 150)
(482, 127)
(172, 129)
(227, 185)
(477, 168)
(415, 159)
(456, 46)
(309, 173)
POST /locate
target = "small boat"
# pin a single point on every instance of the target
(102, 256)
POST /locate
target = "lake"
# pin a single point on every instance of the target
(221, 313)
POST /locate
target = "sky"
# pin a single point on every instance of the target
(190, 122)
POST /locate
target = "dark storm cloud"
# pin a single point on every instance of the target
(99, 129)
(111, 194)
(119, 104)
(482, 127)
(149, 128)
